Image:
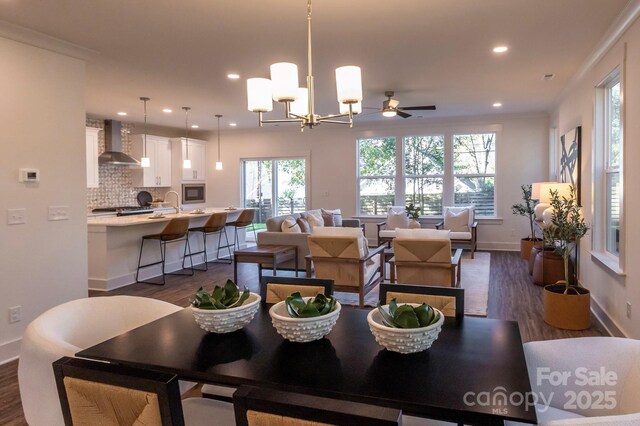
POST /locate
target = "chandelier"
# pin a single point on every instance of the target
(299, 101)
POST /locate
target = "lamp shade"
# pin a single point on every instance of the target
(145, 162)
(284, 77)
(355, 108)
(349, 84)
(564, 190)
(259, 92)
(186, 164)
(301, 105)
(218, 165)
(535, 189)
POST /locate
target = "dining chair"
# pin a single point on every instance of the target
(450, 301)
(255, 406)
(277, 289)
(463, 226)
(67, 329)
(175, 231)
(215, 225)
(342, 255)
(99, 393)
(427, 261)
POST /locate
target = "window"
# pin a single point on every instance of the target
(376, 175)
(608, 172)
(285, 177)
(437, 170)
(474, 168)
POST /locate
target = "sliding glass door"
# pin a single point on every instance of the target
(274, 186)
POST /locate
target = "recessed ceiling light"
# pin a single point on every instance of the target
(194, 126)
(233, 76)
(167, 110)
(500, 49)
(233, 124)
(497, 104)
(122, 113)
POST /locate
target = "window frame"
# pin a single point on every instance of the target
(448, 179)
(602, 170)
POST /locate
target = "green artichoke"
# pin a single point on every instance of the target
(221, 297)
(407, 316)
(315, 307)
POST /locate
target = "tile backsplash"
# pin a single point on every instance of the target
(116, 188)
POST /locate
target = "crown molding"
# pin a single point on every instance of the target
(43, 41)
(625, 19)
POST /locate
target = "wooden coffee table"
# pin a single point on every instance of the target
(272, 254)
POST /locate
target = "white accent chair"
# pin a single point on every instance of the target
(67, 329)
(463, 234)
(396, 218)
(613, 354)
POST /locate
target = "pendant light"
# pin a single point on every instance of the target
(145, 161)
(218, 163)
(187, 162)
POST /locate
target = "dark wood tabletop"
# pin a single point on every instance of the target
(471, 355)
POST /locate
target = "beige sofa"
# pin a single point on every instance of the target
(274, 235)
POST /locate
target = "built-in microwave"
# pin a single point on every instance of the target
(193, 193)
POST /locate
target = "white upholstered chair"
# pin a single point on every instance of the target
(593, 355)
(67, 329)
(463, 226)
(396, 218)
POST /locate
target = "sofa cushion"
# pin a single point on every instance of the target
(457, 221)
(460, 236)
(336, 217)
(274, 224)
(304, 225)
(314, 218)
(429, 234)
(387, 233)
(290, 225)
(397, 219)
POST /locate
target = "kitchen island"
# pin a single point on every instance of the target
(114, 246)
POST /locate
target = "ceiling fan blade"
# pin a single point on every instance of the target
(419, 108)
(402, 114)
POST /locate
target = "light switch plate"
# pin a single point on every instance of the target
(16, 216)
(58, 212)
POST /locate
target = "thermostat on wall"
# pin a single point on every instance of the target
(29, 175)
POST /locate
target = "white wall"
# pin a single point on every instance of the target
(522, 158)
(610, 291)
(42, 263)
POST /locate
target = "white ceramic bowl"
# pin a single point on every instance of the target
(302, 329)
(403, 340)
(227, 320)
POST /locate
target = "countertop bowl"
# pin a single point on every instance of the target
(302, 329)
(403, 340)
(227, 320)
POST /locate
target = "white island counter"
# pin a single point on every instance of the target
(114, 246)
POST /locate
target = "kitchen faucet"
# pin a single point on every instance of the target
(177, 207)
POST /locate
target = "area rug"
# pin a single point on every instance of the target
(474, 280)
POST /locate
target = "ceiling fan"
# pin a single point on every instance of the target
(390, 107)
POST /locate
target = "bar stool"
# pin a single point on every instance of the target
(176, 230)
(216, 224)
(244, 220)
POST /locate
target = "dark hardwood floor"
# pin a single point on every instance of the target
(512, 296)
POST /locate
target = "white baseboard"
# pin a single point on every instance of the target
(605, 320)
(10, 350)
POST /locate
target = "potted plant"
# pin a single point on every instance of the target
(413, 213)
(567, 305)
(305, 319)
(526, 209)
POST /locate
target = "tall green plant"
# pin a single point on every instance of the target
(567, 227)
(526, 209)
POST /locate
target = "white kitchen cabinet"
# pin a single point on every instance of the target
(197, 155)
(92, 157)
(159, 153)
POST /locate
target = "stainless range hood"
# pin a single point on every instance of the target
(113, 146)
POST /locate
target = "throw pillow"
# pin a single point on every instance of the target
(328, 218)
(397, 219)
(337, 216)
(289, 224)
(304, 225)
(456, 221)
(315, 219)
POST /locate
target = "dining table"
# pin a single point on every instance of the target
(469, 375)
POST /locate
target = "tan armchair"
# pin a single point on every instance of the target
(425, 261)
(342, 255)
(463, 226)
